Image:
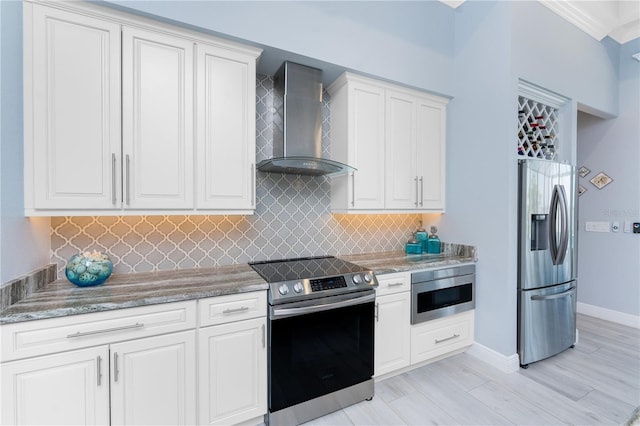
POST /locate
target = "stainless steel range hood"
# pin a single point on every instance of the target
(297, 130)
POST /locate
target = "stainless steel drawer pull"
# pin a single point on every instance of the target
(455, 336)
(416, 203)
(106, 330)
(235, 310)
(113, 179)
(116, 372)
(99, 369)
(377, 315)
(264, 336)
(128, 173)
(394, 284)
(353, 189)
(421, 191)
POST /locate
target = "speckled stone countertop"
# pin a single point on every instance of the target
(61, 298)
(398, 261)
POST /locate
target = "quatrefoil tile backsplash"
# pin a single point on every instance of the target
(292, 219)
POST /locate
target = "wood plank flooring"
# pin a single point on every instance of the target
(596, 383)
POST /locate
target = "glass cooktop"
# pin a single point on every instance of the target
(274, 271)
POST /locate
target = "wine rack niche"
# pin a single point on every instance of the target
(537, 129)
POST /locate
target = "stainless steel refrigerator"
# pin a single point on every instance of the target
(546, 259)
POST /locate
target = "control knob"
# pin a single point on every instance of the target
(298, 287)
(357, 279)
(283, 289)
(367, 278)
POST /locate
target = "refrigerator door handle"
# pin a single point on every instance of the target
(554, 296)
(553, 227)
(564, 225)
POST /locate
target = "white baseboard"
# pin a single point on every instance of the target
(609, 315)
(504, 363)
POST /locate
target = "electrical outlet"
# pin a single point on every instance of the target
(627, 226)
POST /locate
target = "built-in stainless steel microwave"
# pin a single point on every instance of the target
(441, 292)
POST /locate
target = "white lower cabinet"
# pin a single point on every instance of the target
(398, 344)
(392, 326)
(71, 388)
(232, 359)
(153, 380)
(441, 336)
(113, 367)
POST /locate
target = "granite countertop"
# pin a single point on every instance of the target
(61, 298)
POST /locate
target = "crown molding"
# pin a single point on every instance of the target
(578, 17)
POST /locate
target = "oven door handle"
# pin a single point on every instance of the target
(289, 312)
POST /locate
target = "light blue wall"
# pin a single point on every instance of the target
(24, 243)
(608, 267)
(479, 155)
(405, 41)
(554, 54)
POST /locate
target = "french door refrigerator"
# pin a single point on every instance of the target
(546, 259)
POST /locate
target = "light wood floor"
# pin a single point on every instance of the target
(596, 383)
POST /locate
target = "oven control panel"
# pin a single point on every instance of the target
(289, 291)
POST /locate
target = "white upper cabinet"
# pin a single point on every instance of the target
(395, 137)
(357, 129)
(157, 118)
(226, 128)
(125, 115)
(72, 111)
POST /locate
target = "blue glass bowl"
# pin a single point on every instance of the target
(85, 270)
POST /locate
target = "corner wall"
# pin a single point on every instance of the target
(608, 267)
(24, 243)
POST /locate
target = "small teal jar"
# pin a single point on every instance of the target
(413, 246)
(88, 269)
(433, 242)
(422, 237)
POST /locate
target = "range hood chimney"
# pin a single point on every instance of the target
(297, 130)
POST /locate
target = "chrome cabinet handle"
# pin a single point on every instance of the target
(377, 314)
(264, 336)
(421, 191)
(394, 284)
(128, 173)
(416, 180)
(116, 372)
(99, 369)
(113, 179)
(455, 336)
(106, 330)
(253, 185)
(235, 310)
(353, 189)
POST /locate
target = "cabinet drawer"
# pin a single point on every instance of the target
(393, 283)
(234, 307)
(438, 337)
(41, 337)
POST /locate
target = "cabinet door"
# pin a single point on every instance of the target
(402, 180)
(232, 372)
(226, 129)
(431, 124)
(72, 111)
(153, 380)
(71, 388)
(157, 111)
(392, 332)
(366, 145)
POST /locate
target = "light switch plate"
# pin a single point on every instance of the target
(597, 226)
(627, 226)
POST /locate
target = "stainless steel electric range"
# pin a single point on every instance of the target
(320, 334)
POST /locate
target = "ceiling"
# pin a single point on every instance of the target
(618, 19)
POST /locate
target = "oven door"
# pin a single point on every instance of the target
(319, 347)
